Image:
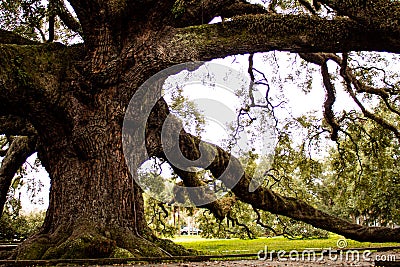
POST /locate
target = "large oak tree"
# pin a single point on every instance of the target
(68, 104)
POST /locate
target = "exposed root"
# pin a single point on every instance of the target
(86, 242)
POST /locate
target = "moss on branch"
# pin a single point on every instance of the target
(31, 74)
(294, 33)
(7, 37)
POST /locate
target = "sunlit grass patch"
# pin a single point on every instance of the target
(240, 246)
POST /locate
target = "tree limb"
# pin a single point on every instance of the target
(240, 8)
(198, 12)
(235, 220)
(119, 17)
(307, 5)
(349, 82)
(20, 149)
(329, 101)
(30, 82)
(66, 17)
(3, 153)
(360, 87)
(229, 170)
(7, 37)
(261, 33)
(266, 199)
(52, 20)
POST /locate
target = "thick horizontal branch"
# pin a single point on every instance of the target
(7, 37)
(20, 149)
(33, 81)
(294, 33)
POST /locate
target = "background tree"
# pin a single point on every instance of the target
(366, 159)
(68, 103)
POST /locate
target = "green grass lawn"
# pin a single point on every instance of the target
(239, 246)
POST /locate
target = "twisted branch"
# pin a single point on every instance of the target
(20, 149)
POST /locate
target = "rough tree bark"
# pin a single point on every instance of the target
(74, 100)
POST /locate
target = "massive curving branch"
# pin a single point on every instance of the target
(265, 199)
(261, 33)
(230, 171)
(20, 149)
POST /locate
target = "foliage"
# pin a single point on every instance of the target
(25, 17)
(19, 227)
(239, 223)
(361, 178)
(30, 19)
(245, 223)
(178, 8)
(14, 224)
(181, 106)
(157, 216)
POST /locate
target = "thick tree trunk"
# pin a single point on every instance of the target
(96, 209)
